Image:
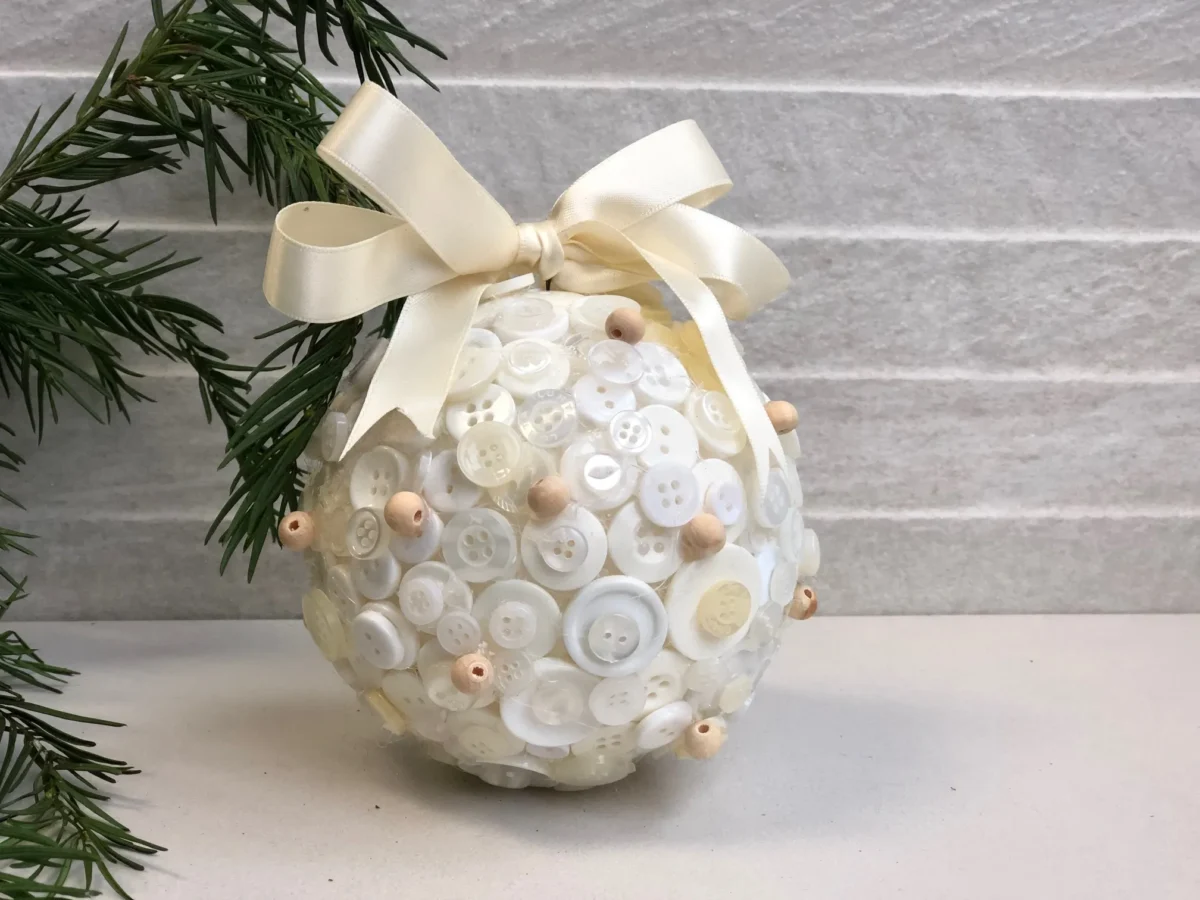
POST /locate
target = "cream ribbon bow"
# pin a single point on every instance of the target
(442, 240)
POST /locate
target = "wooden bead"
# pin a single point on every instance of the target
(548, 497)
(297, 530)
(703, 739)
(471, 673)
(405, 514)
(626, 325)
(783, 416)
(804, 603)
(702, 536)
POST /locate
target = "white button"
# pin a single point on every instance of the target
(599, 402)
(476, 367)
(512, 671)
(535, 464)
(706, 676)
(552, 712)
(339, 584)
(495, 404)
(430, 589)
(664, 679)
(613, 740)
(481, 337)
(480, 545)
(513, 773)
(420, 470)
(378, 577)
(671, 438)
(377, 474)
(810, 559)
(447, 488)
(397, 429)
(383, 638)
(782, 585)
(597, 479)
(616, 362)
(590, 314)
(716, 422)
(705, 593)
(577, 347)
(480, 734)
(366, 534)
(489, 453)
(723, 494)
(617, 701)
(772, 508)
(485, 315)
(530, 365)
(363, 371)
(665, 380)
(735, 695)
(332, 434)
(616, 600)
(458, 632)
(642, 549)
(526, 316)
(547, 752)
(521, 602)
(565, 552)
(408, 694)
(366, 676)
(548, 418)
(764, 627)
(321, 620)
(629, 432)
(577, 772)
(664, 725)
(417, 549)
(669, 494)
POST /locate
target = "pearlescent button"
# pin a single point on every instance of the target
(476, 367)
(553, 711)
(447, 488)
(458, 632)
(530, 365)
(577, 772)
(481, 337)
(772, 508)
(480, 734)
(512, 671)
(428, 590)
(533, 616)
(706, 676)
(321, 620)
(671, 438)
(408, 695)
(599, 402)
(589, 314)
(339, 585)
(513, 625)
(597, 479)
(376, 475)
(810, 559)
(378, 577)
(669, 494)
(366, 534)
(664, 679)
(664, 725)
(495, 404)
(530, 317)
(689, 592)
(629, 432)
(612, 740)
(535, 464)
(723, 494)
(617, 701)
(615, 363)
(410, 550)
(566, 552)
(383, 638)
(480, 545)
(617, 600)
(735, 695)
(665, 380)
(716, 422)
(489, 453)
(641, 548)
(547, 418)
(332, 434)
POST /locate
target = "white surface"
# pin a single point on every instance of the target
(952, 758)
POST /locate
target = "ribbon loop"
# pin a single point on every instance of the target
(539, 250)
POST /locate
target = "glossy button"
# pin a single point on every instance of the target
(616, 601)
(735, 695)
(716, 422)
(723, 494)
(579, 771)
(383, 638)
(691, 590)
(482, 337)
(589, 314)
(447, 488)
(810, 557)
(671, 438)
(519, 616)
(410, 550)
(332, 434)
(547, 418)
(512, 671)
(553, 711)
(772, 508)
(782, 584)
(339, 585)
(378, 577)
(495, 404)
(669, 494)
(597, 479)
(480, 545)
(705, 676)
(599, 402)
(641, 548)
(366, 534)
(566, 552)
(421, 601)
(489, 453)
(665, 380)
(530, 365)
(321, 620)
(376, 475)
(530, 317)
(513, 625)
(535, 463)
(629, 432)
(724, 608)
(664, 680)
(513, 773)
(408, 694)
(617, 701)
(481, 735)
(615, 363)
(613, 740)
(475, 368)
(458, 632)
(663, 725)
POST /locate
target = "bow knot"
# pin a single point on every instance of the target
(539, 250)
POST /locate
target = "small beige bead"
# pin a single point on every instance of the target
(405, 514)
(548, 497)
(804, 603)
(297, 530)
(783, 416)
(471, 673)
(626, 325)
(703, 739)
(703, 536)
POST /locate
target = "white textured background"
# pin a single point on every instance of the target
(991, 210)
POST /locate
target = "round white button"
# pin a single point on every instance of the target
(597, 479)
(476, 367)
(669, 494)
(671, 438)
(458, 632)
(321, 620)
(421, 601)
(417, 549)
(665, 380)
(782, 584)
(705, 676)
(481, 337)
(366, 676)
(552, 712)
(480, 545)
(521, 603)
(378, 577)
(332, 435)
(735, 695)
(716, 422)
(526, 316)
(480, 734)
(617, 701)
(339, 584)
(383, 638)
(547, 418)
(535, 464)
(613, 740)
(810, 559)
(641, 548)
(724, 609)
(664, 679)
(489, 453)
(629, 432)
(378, 473)
(576, 772)
(495, 404)
(366, 534)
(772, 508)
(512, 671)
(616, 600)
(589, 314)
(565, 552)
(530, 365)
(407, 693)
(723, 494)
(447, 488)
(722, 582)
(547, 752)
(615, 362)
(664, 725)
(599, 402)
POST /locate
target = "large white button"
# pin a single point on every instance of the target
(599, 402)
(705, 595)
(407, 693)
(377, 474)
(617, 701)
(458, 632)
(669, 494)
(577, 772)
(366, 534)
(716, 422)
(495, 404)
(535, 464)
(597, 479)
(664, 679)
(642, 549)
(378, 577)
(480, 734)
(321, 620)
(480, 545)
(520, 616)
(604, 612)
(489, 453)
(339, 584)
(548, 418)
(514, 773)
(772, 507)
(566, 552)
(332, 434)
(481, 337)
(613, 740)
(476, 367)
(553, 711)
(447, 488)
(629, 432)
(723, 495)
(782, 584)
(671, 438)
(530, 365)
(615, 362)
(530, 316)
(589, 314)
(665, 380)
(810, 559)
(410, 550)
(430, 589)
(383, 638)
(512, 671)
(664, 725)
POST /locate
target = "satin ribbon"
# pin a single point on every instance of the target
(442, 241)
